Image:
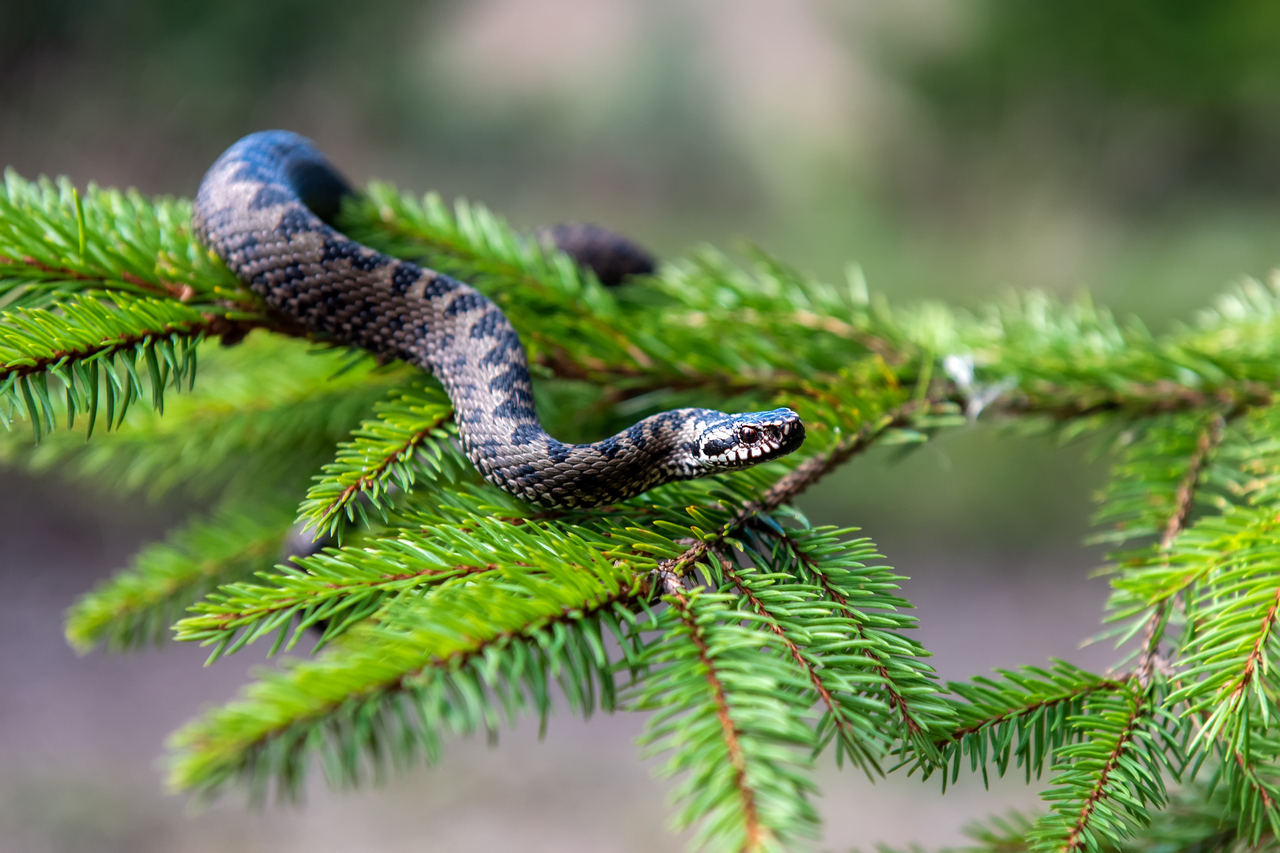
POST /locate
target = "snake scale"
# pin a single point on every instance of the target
(264, 208)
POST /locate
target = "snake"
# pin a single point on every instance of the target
(267, 208)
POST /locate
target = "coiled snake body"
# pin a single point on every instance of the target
(262, 208)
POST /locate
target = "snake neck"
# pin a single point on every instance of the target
(516, 451)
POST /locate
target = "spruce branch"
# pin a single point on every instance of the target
(38, 272)
(1210, 439)
(1023, 718)
(1252, 787)
(907, 685)
(457, 660)
(92, 349)
(408, 442)
(55, 242)
(733, 722)
(1198, 818)
(326, 590)
(816, 642)
(754, 835)
(1206, 443)
(1110, 779)
(345, 585)
(896, 691)
(454, 607)
(1249, 470)
(1139, 400)
(138, 606)
(265, 414)
(1230, 613)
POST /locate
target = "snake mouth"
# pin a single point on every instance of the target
(740, 441)
(776, 440)
(790, 436)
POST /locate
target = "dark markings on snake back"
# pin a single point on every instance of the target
(609, 447)
(635, 435)
(320, 188)
(296, 220)
(517, 406)
(464, 303)
(512, 377)
(505, 342)
(439, 286)
(488, 325)
(485, 448)
(404, 276)
(254, 170)
(588, 482)
(557, 451)
(269, 196)
(525, 434)
(339, 248)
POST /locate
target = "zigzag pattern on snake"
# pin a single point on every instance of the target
(263, 208)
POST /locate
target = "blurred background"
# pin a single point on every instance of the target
(956, 149)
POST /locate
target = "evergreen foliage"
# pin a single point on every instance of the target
(444, 607)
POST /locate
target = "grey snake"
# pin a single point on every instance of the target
(264, 208)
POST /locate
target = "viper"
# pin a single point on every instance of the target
(266, 208)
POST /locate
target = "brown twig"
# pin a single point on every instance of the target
(1256, 653)
(447, 663)
(973, 728)
(755, 833)
(1250, 772)
(116, 344)
(1137, 398)
(181, 292)
(1184, 498)
(1183, 503)
(233, 621)
(815, 678)
(1076, 839)
(410, 444)
(897, 701)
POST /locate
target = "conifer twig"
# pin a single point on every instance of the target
(1030, 708)
(1139, 398)
(1184, 500)
(897, 700)
(180, 292)
(811, 671)
(107, 347)
(1255, 657)
(1079, 835)
(214, 621)
(755, 833)
(374, 474)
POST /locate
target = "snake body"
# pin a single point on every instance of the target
(263, 209)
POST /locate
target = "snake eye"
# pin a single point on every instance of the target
(748, 434)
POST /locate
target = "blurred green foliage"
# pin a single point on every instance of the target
(1194, 85)
(149, 55)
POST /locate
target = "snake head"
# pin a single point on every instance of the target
(723, 442)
